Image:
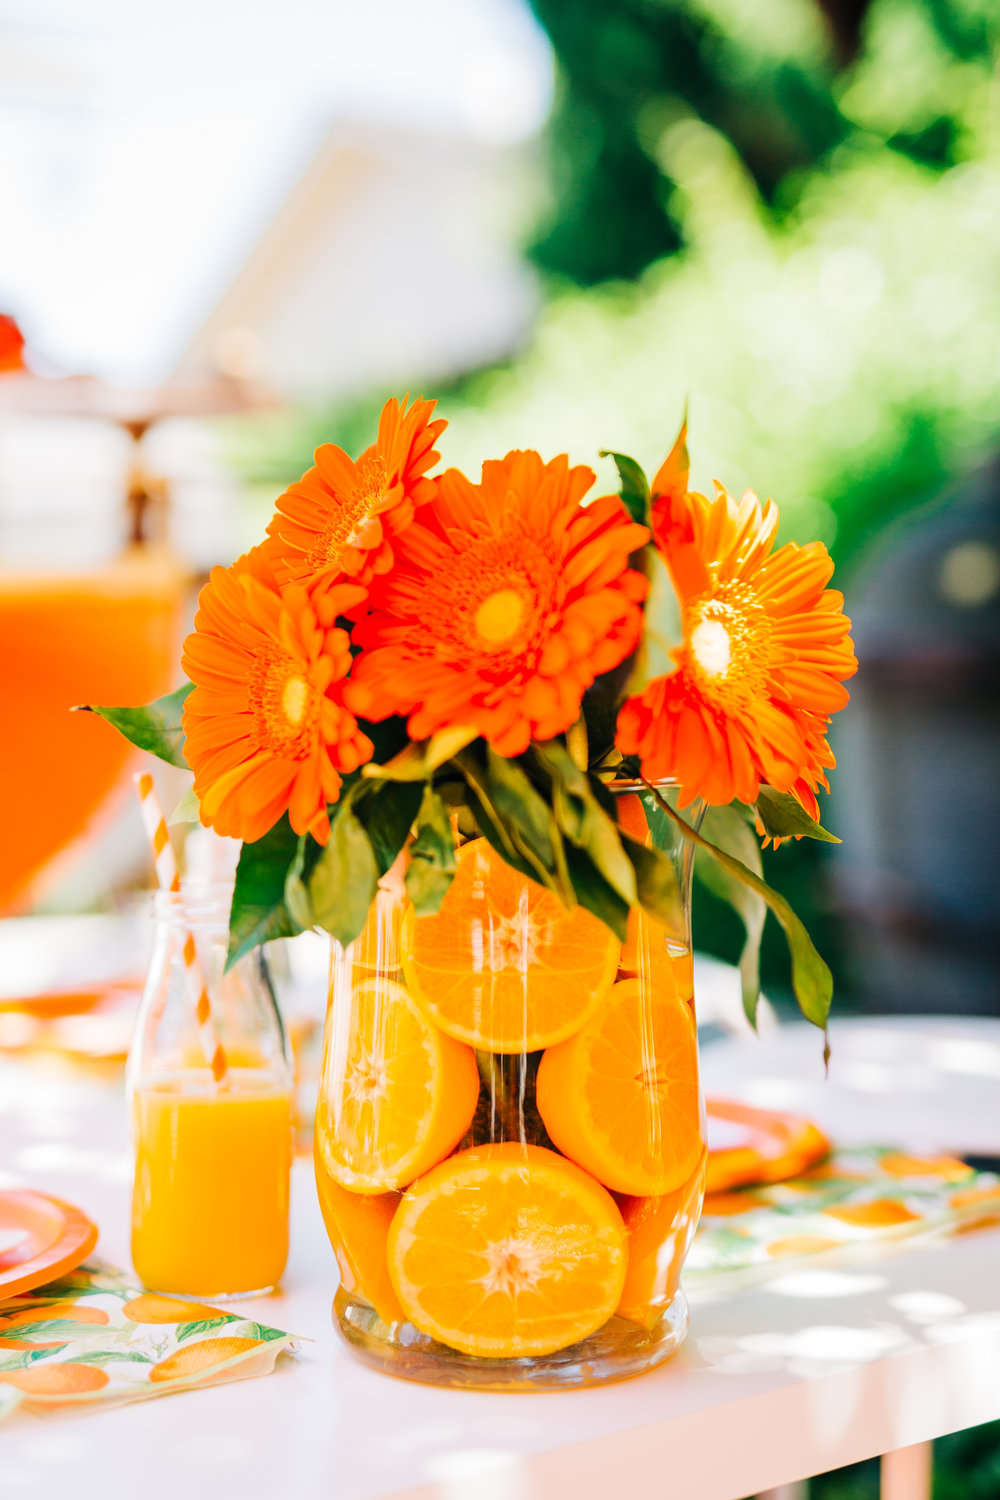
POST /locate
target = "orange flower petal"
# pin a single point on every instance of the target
(507, 598)
(266, 729)
(765, 653)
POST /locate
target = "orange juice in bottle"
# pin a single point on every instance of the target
(212, 1156)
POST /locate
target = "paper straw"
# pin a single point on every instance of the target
(168, 879)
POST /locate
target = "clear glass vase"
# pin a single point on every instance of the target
(212, 1154)
(510, 1133)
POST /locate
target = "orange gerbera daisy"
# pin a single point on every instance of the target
(766, 648)
(507, 599)
(341, 515)
(266, 729)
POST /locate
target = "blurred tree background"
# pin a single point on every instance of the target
(787, 213)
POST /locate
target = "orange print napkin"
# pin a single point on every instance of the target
(864, 1197)
(90, 1338)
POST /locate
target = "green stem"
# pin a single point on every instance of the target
(811, 978)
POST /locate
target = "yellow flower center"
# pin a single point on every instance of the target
(284, 705)
(500, 616)
(295, 700)
(728, 646)
(491, 608)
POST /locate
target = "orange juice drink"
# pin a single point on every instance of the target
(210, 1195)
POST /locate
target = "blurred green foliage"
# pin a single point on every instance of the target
(833, 312)
(966, 1467)
(761, 74)
(765, 74)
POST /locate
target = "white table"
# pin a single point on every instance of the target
(822, 1366)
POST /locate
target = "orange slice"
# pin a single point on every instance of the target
(358, 1226)
(649, 954)
(504, 965)
(621, 1097)
(660, 1231)
(507, 1250)
(396, 1095)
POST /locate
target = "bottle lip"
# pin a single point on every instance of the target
(196, 904)
(634, 785)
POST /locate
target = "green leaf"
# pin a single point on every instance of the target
(811, 979)
(204, 1325)
(259, 912)
(657, 888)
(296, 892)
(522, 804)
(342, 884)
(386, 812)
(155, 727)
(26, 1357)
(490, 822)
(727, 828)
(418, 760)
(187, 809)
(264, 1333)
(634, 487)
(113, 1356)
(49, 1328)
(432, 857)
(595, 894)
(783, 816)
(580, 816)
(663, 626)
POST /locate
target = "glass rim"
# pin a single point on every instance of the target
(633, 784)
(202, 903)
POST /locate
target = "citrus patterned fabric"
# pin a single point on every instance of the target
(856, 1199)
(91, 1338)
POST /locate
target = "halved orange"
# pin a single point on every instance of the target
(878, 1213)
(650, 954)
(191, 1359)
(396, 1094)
(504, 965)
(621, 1097)
(506, 1251)
(660, 1231)
(358, 1226)
(63, 1378)
(153, 1307)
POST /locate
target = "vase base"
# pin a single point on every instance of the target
(617, 1351)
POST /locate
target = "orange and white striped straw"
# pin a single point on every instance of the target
(168, 879)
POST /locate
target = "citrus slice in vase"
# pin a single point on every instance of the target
(504, 966)
(507, 1251)
(621, 1097)
(397, 1094)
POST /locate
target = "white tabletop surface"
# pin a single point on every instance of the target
(823, 1365)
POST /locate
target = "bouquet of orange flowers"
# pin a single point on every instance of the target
(411, 655)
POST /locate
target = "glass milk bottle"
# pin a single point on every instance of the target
(212, 1147)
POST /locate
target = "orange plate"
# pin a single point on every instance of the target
(758, 1145)
(53, 1238)
(54, 1002)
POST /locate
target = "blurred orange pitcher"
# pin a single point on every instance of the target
(104, 637)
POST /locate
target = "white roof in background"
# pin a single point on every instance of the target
(145, 147)
(394, 258)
